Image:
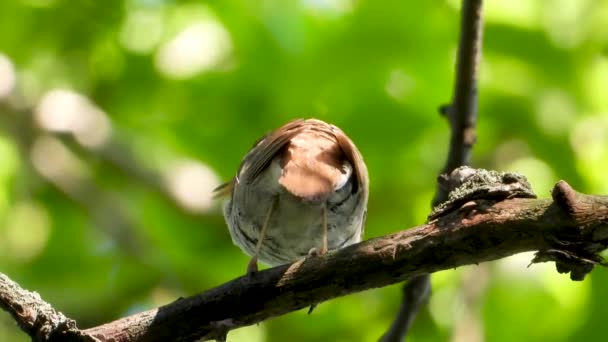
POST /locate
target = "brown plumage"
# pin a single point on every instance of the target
(301, 187)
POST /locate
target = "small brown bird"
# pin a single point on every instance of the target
(301, 190)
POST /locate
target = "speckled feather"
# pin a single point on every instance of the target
(306, 165)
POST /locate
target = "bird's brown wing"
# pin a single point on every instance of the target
(266, 149)
(354, 157)
(262, 154)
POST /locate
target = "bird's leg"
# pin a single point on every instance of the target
(324, 230)
(323, 245)
(314, 251)
(252, 266)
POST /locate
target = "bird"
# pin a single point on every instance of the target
(301, 191)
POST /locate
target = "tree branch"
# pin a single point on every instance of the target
(33, 315)
(462, 115)
(416, 292)
(570, 230)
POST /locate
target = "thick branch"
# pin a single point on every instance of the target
(461, 238)
(570, 230)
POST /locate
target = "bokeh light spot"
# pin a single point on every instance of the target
(570, 297)
(524, 14)
(589, 140)
(565, 22)
(252, 333)
(27, 231)
(142, 30)
(9, 166)
(203, 46)
(191, 184)
(442, 306)
(7, 76)
(66, 111)
(595, 82)
(540, 175)
(510, 151)
(508, 75)
(333, 8)
(57, 163)
(555, 112)
(399, 85)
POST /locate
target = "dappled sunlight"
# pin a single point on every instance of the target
(555, 112)
(594, 82)
(7, 76)
(589, 140)
(516, 268)
(191, 184)
(567, 22)
(457, 297)
(518, 13)
(142, 30)
(251, 333)
(163, 295)
(329, 7)
(26, 232)
(509, 75)
(399, 85)
(569, 294)
(9, 163)
(540, 174)
(524, 14)
(508, 152)
(65, 111)
(445, 305)
(203, 46)
(566, 298)
(55, 162)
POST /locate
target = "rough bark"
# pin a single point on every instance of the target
(462, 117)
(570, 229)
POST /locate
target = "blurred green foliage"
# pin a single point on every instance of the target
(124, 114)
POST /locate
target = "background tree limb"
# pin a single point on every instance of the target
(462, 116)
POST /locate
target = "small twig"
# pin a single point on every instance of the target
(34, 316)
(415, 294)
(462, 113)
